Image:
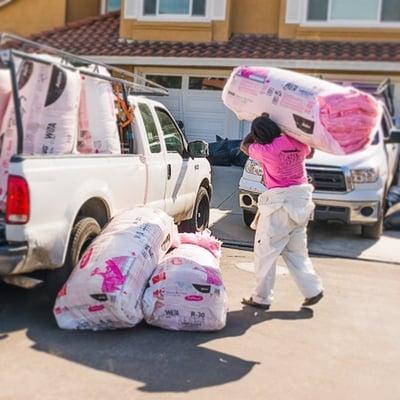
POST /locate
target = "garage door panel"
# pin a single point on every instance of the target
(205, 128)
(202, 112)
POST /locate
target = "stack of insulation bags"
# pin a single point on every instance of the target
(107, 289)
(62, 112)
(186, 291)
(331, 118)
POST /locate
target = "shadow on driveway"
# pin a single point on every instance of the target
(163, 361)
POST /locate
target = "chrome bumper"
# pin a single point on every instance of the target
(364, 212)
(348, 212)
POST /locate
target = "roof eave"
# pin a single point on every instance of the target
(338, 65)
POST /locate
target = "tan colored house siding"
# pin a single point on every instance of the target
(255, 16)
(25, 17)
(177, 31)
(78, 9)
(296, 31)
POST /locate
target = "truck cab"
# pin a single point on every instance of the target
(350, 189)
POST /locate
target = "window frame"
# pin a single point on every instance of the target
(204, 76)
(184, 154)
(104, 4)
(155, 120)
(149, 74)
(175, 17)
(348, 23)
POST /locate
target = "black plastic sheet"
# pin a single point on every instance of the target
(225, 152)
(392, 219)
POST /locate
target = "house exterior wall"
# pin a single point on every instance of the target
(213, 30)
(24, 17)
(255, 16)
(250, 16)
(299, 31)
(78, 9)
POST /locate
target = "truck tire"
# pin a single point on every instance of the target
(373, 231)
(248, 217)
(83, 233)
(201, 214)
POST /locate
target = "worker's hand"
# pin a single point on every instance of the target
(311, 155)
(246, 142)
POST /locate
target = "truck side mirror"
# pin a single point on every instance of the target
(181, 125)
(394, 136)
(198, 149)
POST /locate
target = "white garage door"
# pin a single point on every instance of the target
(196, 101)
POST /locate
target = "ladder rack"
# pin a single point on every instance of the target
(22, 47)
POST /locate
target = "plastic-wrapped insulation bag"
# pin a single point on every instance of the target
(56, 120)
(98, 115)
(5, 92)
(335, 119)
(105, 289)
(186, 291)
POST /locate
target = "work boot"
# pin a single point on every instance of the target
(250, 302)
(313, 300)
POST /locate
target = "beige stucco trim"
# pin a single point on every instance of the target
(368, 66)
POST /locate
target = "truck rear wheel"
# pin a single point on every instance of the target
(373, 231)
(248, 217)
(83, 233)
(201, 214)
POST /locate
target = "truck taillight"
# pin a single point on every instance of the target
(18, 202)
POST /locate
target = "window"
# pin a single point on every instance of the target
(110, 5)
(172, 136)
(375, 11)
(201, 83)
(151, 128)
(168, 81)
(194, 8)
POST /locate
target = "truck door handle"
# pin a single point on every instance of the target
(169, 171)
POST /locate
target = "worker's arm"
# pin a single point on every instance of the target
(246, 142)
(311, 153)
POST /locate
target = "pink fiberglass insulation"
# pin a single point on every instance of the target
(321, 114)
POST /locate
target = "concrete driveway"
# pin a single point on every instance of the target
(347, 347)
(325, 239)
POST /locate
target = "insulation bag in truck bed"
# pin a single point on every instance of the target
(335, 119)
(49, 97)
(5, 92)
(186, 291)
(98, 130)
(105, 289)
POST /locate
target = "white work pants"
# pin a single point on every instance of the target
(278, 234)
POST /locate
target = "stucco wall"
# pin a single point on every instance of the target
(25, 17)
(78, 9)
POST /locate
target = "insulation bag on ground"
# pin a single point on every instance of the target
(186, 291)
(335, 119)
(105, 289)
(98, 130)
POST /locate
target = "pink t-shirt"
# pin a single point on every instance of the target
(283, 161)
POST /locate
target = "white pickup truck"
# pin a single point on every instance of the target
(57, 204)
(349, 189)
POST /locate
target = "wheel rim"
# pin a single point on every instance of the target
(202, 214)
